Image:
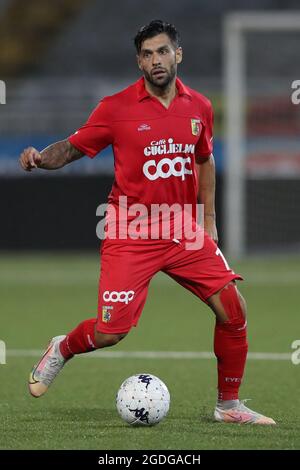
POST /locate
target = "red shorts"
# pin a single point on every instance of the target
(127, 269)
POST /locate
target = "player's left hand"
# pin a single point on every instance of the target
(210, 227)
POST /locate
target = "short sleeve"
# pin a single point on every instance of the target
(96, 133)
(204, 146)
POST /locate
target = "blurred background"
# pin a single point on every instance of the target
(59, 58)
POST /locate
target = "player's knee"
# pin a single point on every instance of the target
(104, 340)
(229, 305)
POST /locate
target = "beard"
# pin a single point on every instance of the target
(161, 81)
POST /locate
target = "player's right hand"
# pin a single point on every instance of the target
(30, 158)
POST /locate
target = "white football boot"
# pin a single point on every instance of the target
(240, 414)
(45, 371)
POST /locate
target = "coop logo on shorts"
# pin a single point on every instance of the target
(114, 296)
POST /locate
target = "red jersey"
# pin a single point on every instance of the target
(155, 148)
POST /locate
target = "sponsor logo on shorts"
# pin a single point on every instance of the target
(106, 314)
(114, 296)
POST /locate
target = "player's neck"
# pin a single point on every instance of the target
(164, 95)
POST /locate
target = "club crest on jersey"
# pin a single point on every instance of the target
(106, 314)
(195, 123)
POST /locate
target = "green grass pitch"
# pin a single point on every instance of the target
(44, 295)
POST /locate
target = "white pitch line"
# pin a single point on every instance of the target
(260, 356)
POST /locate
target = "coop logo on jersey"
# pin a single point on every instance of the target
(114, 296)
(106, 313)
(179, 166)
(166, 167)
(195, 123)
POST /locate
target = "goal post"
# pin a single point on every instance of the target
(235, 28)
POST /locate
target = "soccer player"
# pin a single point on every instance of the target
(161, 133)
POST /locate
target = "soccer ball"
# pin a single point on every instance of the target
(143, 399)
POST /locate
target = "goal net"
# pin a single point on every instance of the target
(262, 132)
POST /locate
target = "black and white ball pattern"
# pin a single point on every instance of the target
(143, 399)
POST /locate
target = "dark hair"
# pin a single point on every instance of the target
(154, 28)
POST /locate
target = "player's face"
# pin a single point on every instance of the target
(158, 60)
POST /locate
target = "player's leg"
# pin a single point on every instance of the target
(206, 273)
(64, 347)
(122, 294)
(85, 338)
(230, 346)
(230, 342)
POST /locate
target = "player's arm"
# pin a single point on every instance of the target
(53, 157)
(206, 194)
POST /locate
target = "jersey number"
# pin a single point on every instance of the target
(219, 253)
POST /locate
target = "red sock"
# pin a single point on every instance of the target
(80, 340)
(231, 351)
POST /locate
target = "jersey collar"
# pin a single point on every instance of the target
(142, 93)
